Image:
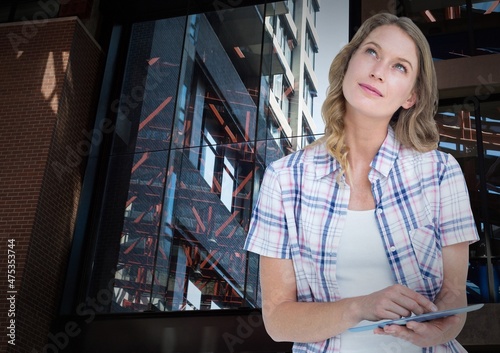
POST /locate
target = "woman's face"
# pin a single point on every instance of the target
(381, 74)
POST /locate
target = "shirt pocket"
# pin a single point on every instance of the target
(427, 249)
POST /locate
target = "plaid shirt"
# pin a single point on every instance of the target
(422, 204)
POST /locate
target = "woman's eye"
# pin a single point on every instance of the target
(371, 51)
(400, 67)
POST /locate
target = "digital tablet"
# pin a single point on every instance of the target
(419, 318)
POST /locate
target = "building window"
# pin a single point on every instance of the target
(291, 7)
(307, 134)
(277, 133)
(311, 47)
(282, 91)
(309, 92)
(284, 39)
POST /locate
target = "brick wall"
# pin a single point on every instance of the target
(49, 74)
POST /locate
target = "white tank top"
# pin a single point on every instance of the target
(363, 268)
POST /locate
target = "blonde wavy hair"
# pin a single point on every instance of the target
(414, 127)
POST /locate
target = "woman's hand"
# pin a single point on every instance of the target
(393, 303)
(423, 334)
(452, 295)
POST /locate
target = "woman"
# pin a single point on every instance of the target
(371, 222)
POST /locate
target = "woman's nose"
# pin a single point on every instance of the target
(377, 76)
(377, 72)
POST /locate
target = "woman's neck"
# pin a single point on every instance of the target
(364, 140)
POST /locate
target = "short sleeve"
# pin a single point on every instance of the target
(456, 219)
(268, 231)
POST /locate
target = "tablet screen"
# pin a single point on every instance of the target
(420, 318)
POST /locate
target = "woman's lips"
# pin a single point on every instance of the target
(371, 89)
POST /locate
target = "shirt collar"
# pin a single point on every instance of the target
(387, 154)
(323, 161)
(325, 164)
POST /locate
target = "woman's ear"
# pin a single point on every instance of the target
(410, 102)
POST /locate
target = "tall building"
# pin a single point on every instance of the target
(135, 136)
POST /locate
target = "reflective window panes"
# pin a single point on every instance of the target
(309, 93)
(470, 27)
(204, 107)
(311, 47)
(490, 126)
(291, 7)
(470, 131)
(308, 136)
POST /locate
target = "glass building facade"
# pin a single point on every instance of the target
(206, 102)
(469, 130)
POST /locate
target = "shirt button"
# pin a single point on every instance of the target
(392, 248)
(379, 210)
